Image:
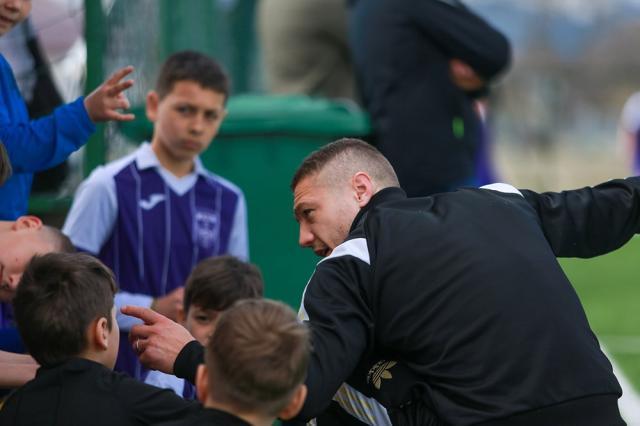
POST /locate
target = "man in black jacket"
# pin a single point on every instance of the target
(451, 308)
(420, 65)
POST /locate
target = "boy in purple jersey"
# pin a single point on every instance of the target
(153, 215)
(213, 287)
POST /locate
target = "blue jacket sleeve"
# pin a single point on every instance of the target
(43, 143)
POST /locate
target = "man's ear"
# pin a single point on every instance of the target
(202, 383)
(27, 222)
(295, 403)
(152, 105)
(362, 186)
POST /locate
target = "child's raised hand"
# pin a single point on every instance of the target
(104, 102)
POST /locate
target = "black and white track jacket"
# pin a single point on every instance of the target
(465, 290)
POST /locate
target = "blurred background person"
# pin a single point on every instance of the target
(305, 49)
(420, 66)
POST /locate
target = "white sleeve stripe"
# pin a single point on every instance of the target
(365, 409)
(356, 248)
(502, 187)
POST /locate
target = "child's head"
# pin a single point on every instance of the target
(20, 240)
(256, 361)
(214, 285)
(12, 12)
(188, 105)
(64, 309)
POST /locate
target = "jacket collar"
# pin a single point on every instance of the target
(383, 196)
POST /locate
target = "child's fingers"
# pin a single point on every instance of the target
(116, 116)
(118, 88)
(119, 75)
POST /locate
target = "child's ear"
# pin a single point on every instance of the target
(100, 333)
(24, 222)
(152, 105)
(202, 383)
(181, 316)
(295, 403)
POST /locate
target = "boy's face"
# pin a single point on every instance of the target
(17, 247)
(185, 120)
(201, 323)
(12, 12)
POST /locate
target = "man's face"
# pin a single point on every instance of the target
(17, 247)
(324, 213)
(185, 120)
(12, 12)
(201, 322)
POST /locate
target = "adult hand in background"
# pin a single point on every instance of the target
(464, 76)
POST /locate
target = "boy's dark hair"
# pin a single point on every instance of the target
(5, 164)
(193, 66)
(218, 282)
(58, 297)
(257, 356)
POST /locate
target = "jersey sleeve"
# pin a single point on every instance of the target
(463, 35)
(341, 325)
(239, 238)
(93, 213)
(590, 221)
(43, 143)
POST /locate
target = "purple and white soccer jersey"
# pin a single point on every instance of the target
(152, 228)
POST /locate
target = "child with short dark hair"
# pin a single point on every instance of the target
(214, 285)
(65, 314)
(256, 363)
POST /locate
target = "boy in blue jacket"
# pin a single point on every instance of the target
(35, 145)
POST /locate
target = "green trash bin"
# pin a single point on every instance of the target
(261, 143)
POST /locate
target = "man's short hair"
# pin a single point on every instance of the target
(5, 164)
(218, 282)
(257, 356)
(58, 297)
(346, 157)
(193, 66)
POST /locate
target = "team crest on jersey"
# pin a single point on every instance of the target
(379, 371)
(206, 228)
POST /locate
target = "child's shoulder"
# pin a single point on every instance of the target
(216, 180)
(109, 171)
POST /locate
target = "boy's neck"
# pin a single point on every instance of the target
(176, 167)
(251, 418)
(94, 356)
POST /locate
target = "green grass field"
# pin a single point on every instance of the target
(609, 287)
